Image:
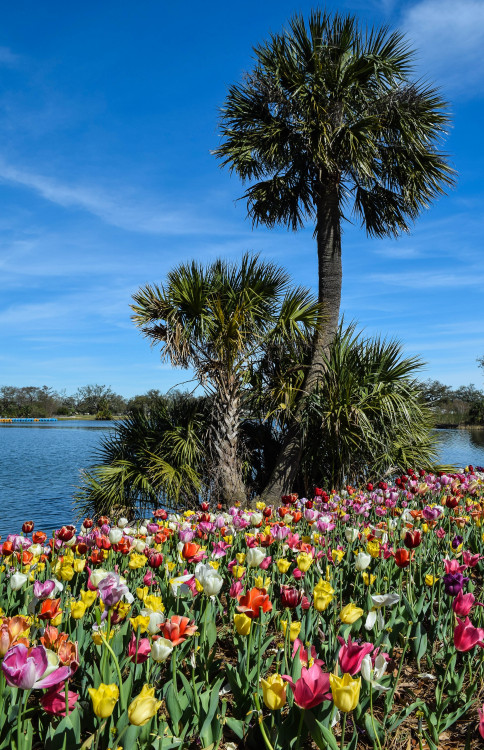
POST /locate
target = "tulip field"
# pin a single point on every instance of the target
(350, 619)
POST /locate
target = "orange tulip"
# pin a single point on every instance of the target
(49, 609)
(252, 602)
(52, 639)
(177, 628)
(10, 631)
(189, 550)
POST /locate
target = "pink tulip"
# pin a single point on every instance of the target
(144, 649)
(149, 578)
(303, 654)
(54, 701)
(236, 589)
(463, 604)
(43, 590)
(481, 722)
(466, 636)
(452, 566)
(469, 559)
(25, 668)
(312, 688)
(265, 563)
(351, 655)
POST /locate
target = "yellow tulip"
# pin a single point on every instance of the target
(262, 583)
(137, 561)
(228, 539)
(154, 603)
(96, 637)
(345, 691)
(373, 548)
(171, 566)
(294, 630)
(274, 692)
(143, 707)
(79, 565)
(56, 621)
(104, 698)
(350, 613)
(88, 597)
(67, 572)
(368, 580)
(141, 593)
(260, 505)
(238, 571)
(242, 624)
(337, 555)
(215, 564)
(78, 610)
(240, 557)
(304, 561)
(140, 623)
(283, 565)
(430, 579)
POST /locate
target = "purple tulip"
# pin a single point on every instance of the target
(453, 583)
(27, 670)
(43, 590)
(111, 590)
(431, 514)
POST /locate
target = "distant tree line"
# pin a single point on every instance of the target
(34, 401)
(454, 406)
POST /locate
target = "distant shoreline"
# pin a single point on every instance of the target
(459, 427)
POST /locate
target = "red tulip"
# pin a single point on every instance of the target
(402, 558)
(252, 602)
(466, 636)
(27, 527)
(412, 539)
(49, 609)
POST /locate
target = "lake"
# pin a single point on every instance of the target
(40, 465)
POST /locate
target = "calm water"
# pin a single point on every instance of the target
(40, 465)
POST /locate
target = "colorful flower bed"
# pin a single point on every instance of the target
(351, 619)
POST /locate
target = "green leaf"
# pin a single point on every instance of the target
(236, 725)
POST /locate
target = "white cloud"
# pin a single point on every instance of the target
(429, 280)
(449, 38)
(132, 212)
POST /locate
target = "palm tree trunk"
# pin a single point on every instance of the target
(328, 236)
(228, 486)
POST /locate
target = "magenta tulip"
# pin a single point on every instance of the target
(466, 636)
(25, 668)
(54, 701)
(463, 604)
(351, 655)
(312, 688)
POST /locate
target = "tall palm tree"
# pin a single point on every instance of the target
(329, 124)
(217, 320)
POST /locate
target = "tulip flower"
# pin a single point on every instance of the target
(350, 613)
(143, 707)
(112, 588)
(362, 561)
(141, 623)
(290, 597)
(49, 609)
(54, 701)
(43, 590)
(252, 602)
(177, 628)
(466, 636)
(242, 624)
(481, 722)
(140, 652)
(13, 630)
(30, 669)
(463, 604)
(161, 649)
(254, 557)
(294, 630)
(373, 673)
(412, 539)
(210, 579)
(469, 559)
(312, 688)
(351, 654)
(453, 583)
(104, 698)
(274, 692)
(345, 691)
(17, 581)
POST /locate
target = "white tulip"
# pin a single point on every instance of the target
(17, 581)
(371, 674)
(161, 649)
(97, 576)
(178, 586)
(254, 557)
(209, 578)
(256, 519)
(362, 561)
(122, 523)
(156, 619)
(142, 531)
(351, 534)
(139, 545)
(71, 542)
(35, 549)
(115, 536)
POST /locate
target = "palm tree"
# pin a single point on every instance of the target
(329, 124)
(217, 320)
(154, 458)
(367, 415)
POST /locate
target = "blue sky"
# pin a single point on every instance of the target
(108, 112)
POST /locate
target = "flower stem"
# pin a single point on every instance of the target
(343, 728)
